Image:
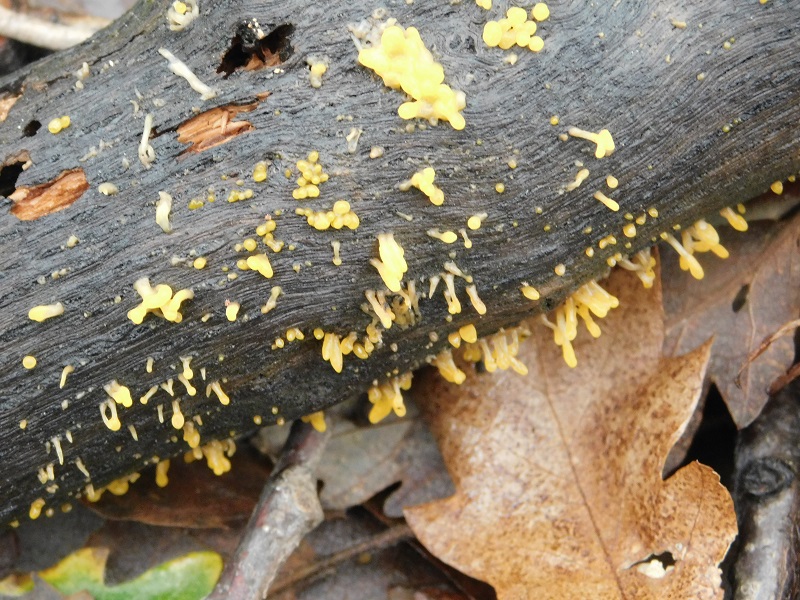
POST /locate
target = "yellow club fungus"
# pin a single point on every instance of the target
(453, 304)
(317, 421)
(237, 195)
(29, 362)
(643, 264)
(36, 508)
(332, 351)
(403, 62)
(602, 139)
(163, 208)
(260, 263)
(231, 310)
(190, 389)
(579, 179)
(162, 467)
(108, 412)
(158, 300)
(377, 301)
(423, 181)
(337, 259)
(317, 68)
(608, 202)
(735, 220)
(587, 300)
(215, 387)
(119, 393)
(311, 176)
(448, 369)
(45, 311)
(629, 229)
(180, 69)
(108, 189)
(178, 419)
(391, 266)
(612, 182)
(64, 373)
(148, 394)
(477, 303)
(448, 237)
(475, 221)
(530, 292)
(272, 302)
(388, 397)
(171, 311)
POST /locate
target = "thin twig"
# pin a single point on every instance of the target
(785, 379)
(785, 329)
(385, 539)
(41, 33)
(287, 510)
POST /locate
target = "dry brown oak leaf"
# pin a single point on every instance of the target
(559, 473)
(740, 301)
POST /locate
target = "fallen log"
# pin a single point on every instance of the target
(701, 100)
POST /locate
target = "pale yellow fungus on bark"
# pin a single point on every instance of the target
(530, 292)
(215, 387)
(612, 182)
(108, 412)
(777, 187)
(448, 237)
(602, 139)
(260, 172)
(423, 181)
(260, 263)
(231, 310)
(119, 393)
(317, 421)
(391, 266)
(64, 373)
(735, 220)
(36, 509)
(403, 62)
(273, 299)
(579, 179)
(180, 69)
(29, 362)
(45, 311)
(608, 202)
(149, 394)
(161, 473)
(475, 221)
(108, 189)
(199, 263)
(387, 397)
(163, 208)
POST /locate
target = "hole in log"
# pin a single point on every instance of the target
(741, 298)
(31, 128)
(251, 49)
(10, 172)
(33, 202)
(216, 126)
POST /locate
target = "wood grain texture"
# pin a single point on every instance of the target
(671, 154)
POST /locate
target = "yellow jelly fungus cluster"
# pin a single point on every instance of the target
(391, 266)
(388, 397)
(516, 29)
(260, 172)
(700, 237)
(311, 176)
(602, 139)
(216, 453)
(317, 421)
(423, 181)
(340, 216)
(403, 62)
(587, 300)
(119, 393)
(158, 300)
(237, 195)
(45, 311)
(58, 124)
(267, 232)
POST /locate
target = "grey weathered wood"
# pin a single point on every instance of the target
(671, 154)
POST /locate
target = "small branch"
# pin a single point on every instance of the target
(288, 509)
(385, 539)
(767, 500)
(785, 329)
(41, 33)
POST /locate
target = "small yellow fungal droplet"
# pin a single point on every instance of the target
(540, 11)
(199, 263)
(36, 508)
(29, 362)
(260, 172)
(560, 270)
(612, 182)
(530, 292)
(492, 34)
(629, 230)
(777, 187)
(536, 44)
(319, 333)
(468, 333)
(161, 473)
(23, 424)
(232, 310)
(554, 120)
(317, 421)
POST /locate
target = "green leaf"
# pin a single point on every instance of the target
(189, 577)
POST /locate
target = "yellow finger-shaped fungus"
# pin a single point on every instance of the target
(119, 393)
(737, 221)
(317, 421)
(602, 139)
(448, 369)
(387, 397)
(587, 300)
(643, 264)
(498, 351)
(423, 181)
(391, 266)
(403, 62)
(45, 311)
